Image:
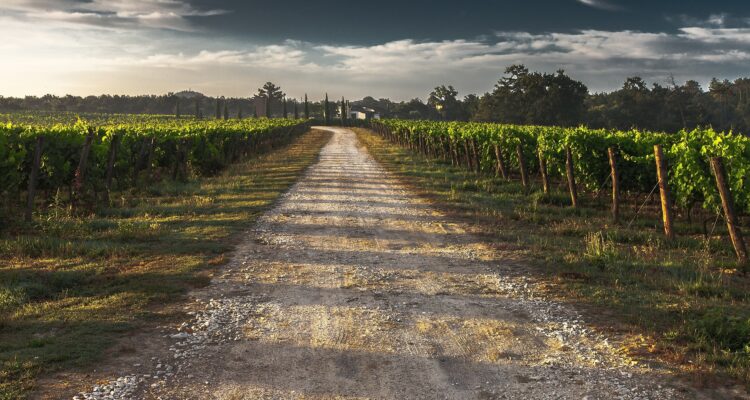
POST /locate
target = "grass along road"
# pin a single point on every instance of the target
(72, 288)
(353, 287)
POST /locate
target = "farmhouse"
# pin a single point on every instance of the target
(363, 113)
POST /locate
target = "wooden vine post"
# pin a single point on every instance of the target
(447, 149)
(522, 167)
(138, 160)
(186, 146)
(467, 155)
(543, 171)
(442, 148)
(571, 177)
(33, 177)
(149, 158)
(179, 172)
(452, 150)
(456, 161)
(80, 174)
(727, 203)
(615, 185)
(501, 170)
(475, 157)
(111, 166)
(666, 205)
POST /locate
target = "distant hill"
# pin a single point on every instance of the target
(189, 94)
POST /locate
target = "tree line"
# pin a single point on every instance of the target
(520, 96)
(535, 98)
(269, 101)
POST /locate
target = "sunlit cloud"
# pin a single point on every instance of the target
(285, 56)
(732, 36)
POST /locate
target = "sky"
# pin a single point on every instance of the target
(393, 49)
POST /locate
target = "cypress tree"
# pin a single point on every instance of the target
(218, 108)
(296, 111)
(226, 111)
(268, 106)
(343, 111)
(307, 108)
(284, 107)
(177, 108)
(326, 111)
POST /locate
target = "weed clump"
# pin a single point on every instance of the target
(600, 250)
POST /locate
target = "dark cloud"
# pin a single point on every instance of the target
(387, 48)
(115, 14)
(347, 22)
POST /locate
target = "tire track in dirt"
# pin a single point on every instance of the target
(353, 288)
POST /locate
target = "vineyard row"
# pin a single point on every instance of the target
(689, 168)
(88, 162)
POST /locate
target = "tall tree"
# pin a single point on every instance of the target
(327, 111)
(296, 110)
(343, 111)
(721, 91)
(443, 100)
(562, 101)
(270, 93)
(218, 108)
(469, 107)
(177, 108)
(284, 112)
(226, 111)
(523, 97)
(412, 109)
(307, 108)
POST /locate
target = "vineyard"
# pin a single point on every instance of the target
(82, 162)
(701, 168)
(503, 200)
(112, 220)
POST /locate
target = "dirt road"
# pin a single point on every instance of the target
(354, 288)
